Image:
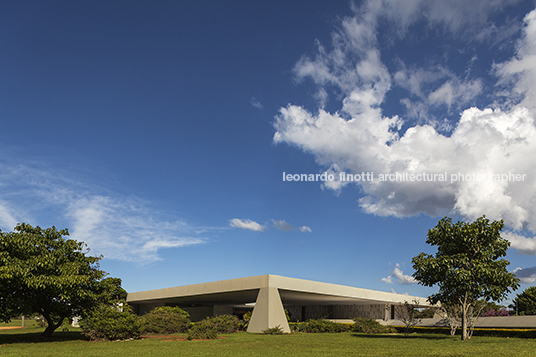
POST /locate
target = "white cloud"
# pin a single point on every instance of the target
(526, 275)
(247, 224)
(388, 280)
(399, 276)
(359, 138)
(461, 17)
(520, 71)
(522, 244)
(455, 91)
(254, 102)
(7, 219)
(283, 225)
(125, 229)
(118, 227)
(305, 229)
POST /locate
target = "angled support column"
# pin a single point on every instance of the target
(268, 312)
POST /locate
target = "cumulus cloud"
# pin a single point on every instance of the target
(399, 276)
(526, 275)
(453, 173)
(118, 227)
(388, 280)
(523, 245)
(305, 229)
(247, 224)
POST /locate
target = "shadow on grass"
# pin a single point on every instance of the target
(401, 336)
(35, 337)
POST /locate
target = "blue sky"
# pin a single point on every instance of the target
(158, 133)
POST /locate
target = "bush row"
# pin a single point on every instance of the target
(360, 325)
(489, 332)
(109, 323)
(112, 323)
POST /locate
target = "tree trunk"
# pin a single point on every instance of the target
(51, 326)
(464, 318)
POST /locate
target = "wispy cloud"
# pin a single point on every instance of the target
(118, 227)
(519, 73)
(254, 102)
(281, 225)
(247, 224)
(7, 218)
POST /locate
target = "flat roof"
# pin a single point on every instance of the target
(292, 291)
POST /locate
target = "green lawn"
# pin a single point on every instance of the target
(27, 343)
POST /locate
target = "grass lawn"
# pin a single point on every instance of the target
(13, 323)
(27, 343)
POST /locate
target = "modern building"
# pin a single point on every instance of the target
(268, 296)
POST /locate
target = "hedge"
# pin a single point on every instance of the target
(490, 332)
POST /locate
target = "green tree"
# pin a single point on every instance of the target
(467, 265)
(526, 301)
(43, 272)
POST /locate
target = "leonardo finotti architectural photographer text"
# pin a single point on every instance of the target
(405, 177)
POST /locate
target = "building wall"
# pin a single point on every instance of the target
(222, 310)
(145, 308)
(304, 313)
(198, 313)
(377, 311)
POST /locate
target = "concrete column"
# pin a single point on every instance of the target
(268, 312)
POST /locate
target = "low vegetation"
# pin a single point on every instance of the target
(276, 330)
(371, 326)
(15, 343)
(210, 327)
(110, 324)
(165, 320)
(320, 326)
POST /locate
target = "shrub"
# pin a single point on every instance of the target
(246, 318)
(276, 330)
(365, 325)
(211, 326)
(489, 332)
(165, 319)
(320, 326)
(204, 329)
(225, 323)
(109, 323)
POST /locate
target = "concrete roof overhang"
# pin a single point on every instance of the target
(292, 291)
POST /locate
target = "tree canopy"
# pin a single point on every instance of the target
(526, 301)
(43, 272)
(467, 265)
